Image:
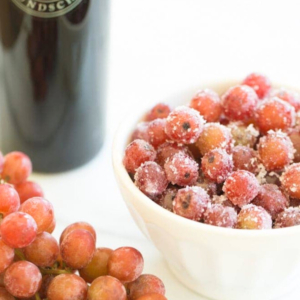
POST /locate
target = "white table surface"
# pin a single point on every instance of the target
(159, 47)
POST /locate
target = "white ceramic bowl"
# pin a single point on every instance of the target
(219, 263)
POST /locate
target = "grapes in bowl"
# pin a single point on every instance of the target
(210, 176)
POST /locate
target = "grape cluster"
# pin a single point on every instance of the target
(35, 266)
(230, 160)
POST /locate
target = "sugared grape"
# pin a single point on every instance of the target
(43, 251)
(151, 179)
(22, 279)
(77, 248)
(144, 285)
(241, 187)
(239, 103)
(29, 189)
(219, 215)
(191, 203)
(275, 150)
(184, 125)
(106, 288)
(208, 104)
(294, 135)
(244, 158)
(260, 83)
(214, 135)
(291, 97)
(159, 111)
(9, 200)
(125, 264)
(18, 230)
(17, 167)
(290, 180)
(254, 217)
(97, 266)
(181, 169)
(7, 255)
(141, 132)
(217, 165)
(41, 210)
(167, 198)
(156, 132)
(289, 217)
(136, 153)
(67, 286)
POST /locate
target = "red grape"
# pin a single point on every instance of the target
(29, 189)
(159, 111)
(289, 217)
(152, 296)
(156, 132)
(5, 295)
(291, 97)
(219, 215)
(260, 83)
(9, 199)
(290, 180)
(244, 158)
(7, 255)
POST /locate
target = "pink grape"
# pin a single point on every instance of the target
(9, 199)
(29, 189)
(7, 255)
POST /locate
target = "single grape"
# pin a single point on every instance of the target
(107, 288)
(289, 217)
(77, 248)
(45, 286)
(191, 203)
(290, 180)
(67, 287)
(291, 97)
(166, 200)
(136, 153)
(78, 225)
(41, 210)
(294, 135)
(184, 125)
(5, 295)
(241, 187)
(245, 158)
(43, 251)
(219, 215)
(208, 104)
(141, 132)
(159, 111)
(144, 285)
(98, 266)
(152, 296)
(17, 167)
(260, 83)
(22, 279)
(125, 264)
(6, 255)
(29, 189)
(18, 230)
(9, 200)
(156, 132)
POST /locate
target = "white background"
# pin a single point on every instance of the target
(158, 47)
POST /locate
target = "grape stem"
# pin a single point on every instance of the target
(37, 296)
(20, 254)
(54, 271)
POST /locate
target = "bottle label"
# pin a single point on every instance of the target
(46, 8)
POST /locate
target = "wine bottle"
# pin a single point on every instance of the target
(53, 79)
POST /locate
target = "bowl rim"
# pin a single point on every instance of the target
(122, 136)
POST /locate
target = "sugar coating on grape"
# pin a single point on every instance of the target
(260, 83)
(41, 210)
(151, 179)
(144, 285)
(29, 189)
(274, 114)
(107, 288)
(77, 248)
(290, 180)
(241, 187)
(78, 225)
(9, 199)
(141, 132)
(191, 203)
(137, 153)
(214, 135)
(181, 169)
(272, 199)
(253, 217)
(208, 104)
(184, 125)
(67, 286)
(239, 103)
(221, 216)
(216, 165)
(43, 251)
(159, 111)
(7, 255)
(17, 167)
(152, 296)
(5, 295)
(22, 279)
(224, 201)
(244, 135)
(245, 158)
(156, 132)
(290, 97)
(98, 266)
(275, 150)
(167, 150)
(125, 264)
(294, 135)
(18, 230)
(167, 198)
(289, 217)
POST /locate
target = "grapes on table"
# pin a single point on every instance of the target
(241, 147)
